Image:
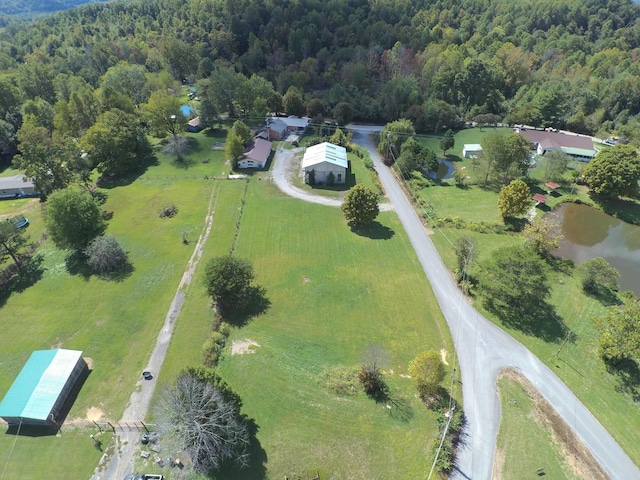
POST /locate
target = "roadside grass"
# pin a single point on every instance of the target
(327, 306)
(471, 204)
(524, 448)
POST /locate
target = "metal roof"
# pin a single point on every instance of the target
(325, 152)
(39, 384)
(17, 181)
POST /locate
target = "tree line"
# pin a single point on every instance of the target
(570, 64)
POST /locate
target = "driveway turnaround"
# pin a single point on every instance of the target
(483, 350)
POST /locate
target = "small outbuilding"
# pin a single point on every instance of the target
(16, 187)
(471, 150)
(325, 163)
(39, 393)
(193, 125)
(257, 156)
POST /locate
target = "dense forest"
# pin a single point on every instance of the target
(20, 7)
(570, 64)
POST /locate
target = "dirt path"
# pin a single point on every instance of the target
(121, 462)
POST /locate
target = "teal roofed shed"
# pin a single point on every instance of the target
(40, 390)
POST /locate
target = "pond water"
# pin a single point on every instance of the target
(590, 233)
(445, 170)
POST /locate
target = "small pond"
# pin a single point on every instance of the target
(445, 170)
(590, 233)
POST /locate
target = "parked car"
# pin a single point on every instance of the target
(147, 375)
(134, 476)
(148, 476)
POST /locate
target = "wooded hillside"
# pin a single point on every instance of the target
(561, 63)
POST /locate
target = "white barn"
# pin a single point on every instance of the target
(322, 160)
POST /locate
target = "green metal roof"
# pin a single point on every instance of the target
(39, 384)
(583, 152)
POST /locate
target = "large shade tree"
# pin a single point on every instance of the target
(116, 144)
(360, 205)
(228, 281)
(73, 219)
(620, 332)
(614, 172)
(513, 279)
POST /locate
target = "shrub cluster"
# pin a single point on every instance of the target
(168, 210)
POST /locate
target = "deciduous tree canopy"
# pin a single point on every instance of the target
(614, 172)
(360, 205)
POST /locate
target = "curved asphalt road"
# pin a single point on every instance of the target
(483, 350)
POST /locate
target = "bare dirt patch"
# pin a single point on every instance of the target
(94, 414)
(576, 455)
(240, 347)
(443, 354)
(306, 280)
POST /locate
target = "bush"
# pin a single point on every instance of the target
(372, 380)
(105, 255)
(168, 210)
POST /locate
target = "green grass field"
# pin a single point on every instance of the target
(333, 292)
(525, 448)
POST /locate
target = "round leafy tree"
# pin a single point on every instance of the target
(228, 281)
(360, 205)
(614, 172)
(514, 199)
(73, 219)
(427, 369)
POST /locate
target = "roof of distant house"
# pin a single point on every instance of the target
(39, 384)
(260, 151)
(277, 125)
(290, 121)
(195, 122)
(472, 147)
(17, 181)
(325, 152)
(562, 141)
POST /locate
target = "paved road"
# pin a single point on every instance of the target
(483, 350)
(121, 462)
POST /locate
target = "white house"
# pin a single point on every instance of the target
(471, 150)
(325, 163)
(16, 187)
(257, 156)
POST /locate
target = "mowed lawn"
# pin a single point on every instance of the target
(333, 293)
(115, 323)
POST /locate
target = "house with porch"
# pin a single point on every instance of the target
(325, 163)
(279, 128)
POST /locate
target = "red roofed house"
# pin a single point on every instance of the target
(257, 156)
(577, 146)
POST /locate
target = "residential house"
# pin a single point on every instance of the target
(325, 163)
(257, 156)
(471, 150)
(279, 128)
(16, 187)
(542, 141)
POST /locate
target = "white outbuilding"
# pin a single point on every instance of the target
(471, 150)
(325, 163)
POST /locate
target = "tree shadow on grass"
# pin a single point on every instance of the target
(627, 375)
(539, 320)
(373, 230)
(76, 264)
(605, 296)
(627, 210)
(146, 161)
(516, 224)
(17, 281)
(398, 408)
(256, 469)
(256, 303)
